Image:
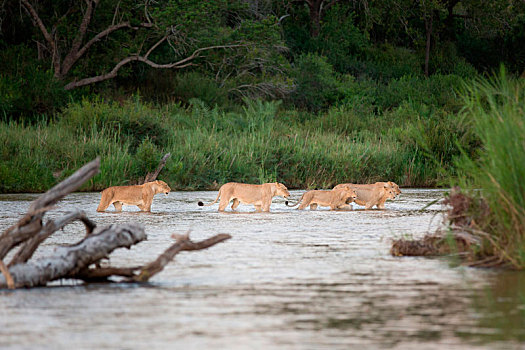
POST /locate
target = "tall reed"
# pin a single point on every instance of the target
(495, 108)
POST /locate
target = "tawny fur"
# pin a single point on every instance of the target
(258, 195)
(335, 199)
(371, 195)
(139, 195)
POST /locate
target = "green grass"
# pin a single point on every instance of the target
(495, 109)
(258, 142)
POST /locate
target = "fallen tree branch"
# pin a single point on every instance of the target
(101, 274)
(68, 261)
(31, 223)
(29, 247)
(183, 243)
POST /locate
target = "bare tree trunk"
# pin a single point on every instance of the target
(315, 20)
(153, 176)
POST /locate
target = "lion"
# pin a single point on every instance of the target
(373, 194)
(139, 195)
(258, 195)
(335, 199)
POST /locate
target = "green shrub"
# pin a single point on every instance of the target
(386, 62)
(27, 88)
(132, 121)
(316, 82)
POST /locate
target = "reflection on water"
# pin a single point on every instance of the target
(287, 279)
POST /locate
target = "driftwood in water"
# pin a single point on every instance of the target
(144, 273)
(74, 261)
(153, 176)
(436, 244)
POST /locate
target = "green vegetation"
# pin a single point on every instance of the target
(260, 141)
(495, 109)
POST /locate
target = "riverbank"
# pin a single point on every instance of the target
(409, 143)
(488, 207)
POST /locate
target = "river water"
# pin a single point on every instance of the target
(287, 279)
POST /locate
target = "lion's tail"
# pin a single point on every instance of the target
(293, 205)
(212, 203)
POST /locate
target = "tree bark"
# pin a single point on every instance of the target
(67, 261)
(186, 62)
(29, 247)
(315, 19)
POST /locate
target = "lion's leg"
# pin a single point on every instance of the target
(105, 202)
(381, 204)
(223, 203)
(118, 206)
(235, 203)
(147, 201)
(313, 206)
(303, 205)
(258, 208)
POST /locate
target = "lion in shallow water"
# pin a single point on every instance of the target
(335, 199)
(258, 195)
(139, 195)
(373, 194)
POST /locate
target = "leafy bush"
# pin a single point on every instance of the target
(172, 86)
(316, 82)
(27, 88)
(387, 62)
(132, 121)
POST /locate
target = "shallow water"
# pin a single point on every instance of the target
(287, 279)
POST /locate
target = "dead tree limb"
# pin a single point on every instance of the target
(31, 223)
(183, 63)
(153, 176)
(28, 248)
(183, 243)
(144, 273)
(67, 261)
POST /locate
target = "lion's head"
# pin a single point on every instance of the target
(281, 190)
(348, 195)
(163, 187)
(390, 192)
(394, 187)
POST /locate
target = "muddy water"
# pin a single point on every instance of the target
(288, 279)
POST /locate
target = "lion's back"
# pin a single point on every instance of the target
(124, 193)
